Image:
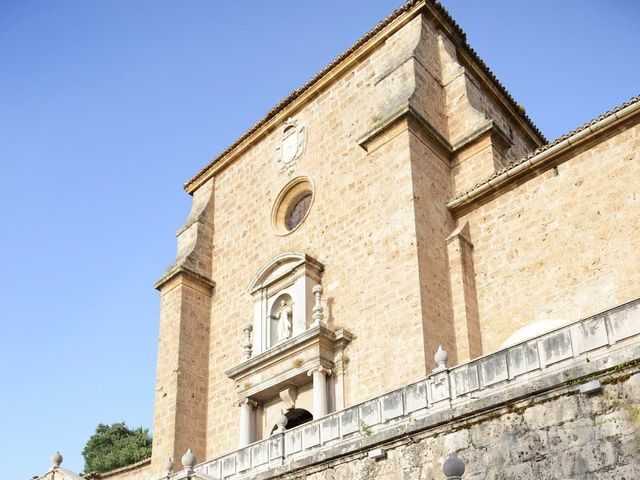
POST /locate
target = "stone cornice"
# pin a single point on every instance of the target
(342, 337)
(489, 128)
(298, 261)
(402, 114)
(549, 154)
(273, 354)
(288, 362)
(407, 113)
(182, 270)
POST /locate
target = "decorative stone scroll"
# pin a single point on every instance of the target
(291, 146)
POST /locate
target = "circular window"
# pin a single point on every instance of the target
(292, 205)
(297, 211)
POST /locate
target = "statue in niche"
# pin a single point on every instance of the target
(284, 320)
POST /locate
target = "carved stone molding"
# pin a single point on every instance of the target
(289, 396)
(291, 145)
(319, 369)
(248, 401)
(267, 374)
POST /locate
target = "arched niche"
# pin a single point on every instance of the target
(289, 276)
(281, 318)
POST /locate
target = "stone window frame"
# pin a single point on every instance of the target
(289, 195)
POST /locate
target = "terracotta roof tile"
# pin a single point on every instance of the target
(547, 146)
(126, 468)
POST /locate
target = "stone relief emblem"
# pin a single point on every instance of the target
(292, 145)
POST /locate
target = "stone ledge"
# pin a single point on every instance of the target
(546, 156)
(403, 114)
(317, 344)
(127, 468)
(407, 112)
(180, 269)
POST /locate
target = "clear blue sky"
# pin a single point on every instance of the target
(107, 107)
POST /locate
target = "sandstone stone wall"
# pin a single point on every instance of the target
(562, 435)
(360, 226)
(141, 472)
(564, 244)
(181, 378)
(433, 223)
(379, 224)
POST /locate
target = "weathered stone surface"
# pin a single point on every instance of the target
(390, 139)
(329, 429)
(415, 396)
(392, 406)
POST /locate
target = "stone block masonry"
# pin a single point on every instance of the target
(388, 139)
(437, 218)
(519, 413)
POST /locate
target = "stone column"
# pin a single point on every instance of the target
(246, 422)
(320, 392)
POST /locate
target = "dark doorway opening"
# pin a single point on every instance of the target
(295, 417)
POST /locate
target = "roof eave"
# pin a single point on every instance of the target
(547, 154)
(365, 44)
(297, 98)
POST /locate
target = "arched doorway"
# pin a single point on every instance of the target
(295, 417)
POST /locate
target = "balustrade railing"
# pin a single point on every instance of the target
(444, 388)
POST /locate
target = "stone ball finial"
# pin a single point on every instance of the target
(189, 460)
(316, 289)
(282, 421)
(247, 327)
(168, 466)
(453, 467)
(441, 357)
(56, 459)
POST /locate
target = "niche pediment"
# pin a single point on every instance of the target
(282, 293)
(286, 265)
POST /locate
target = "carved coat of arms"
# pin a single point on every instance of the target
(291, 146)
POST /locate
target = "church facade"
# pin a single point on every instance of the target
(394, 265)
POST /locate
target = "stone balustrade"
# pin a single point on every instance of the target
(572, 345)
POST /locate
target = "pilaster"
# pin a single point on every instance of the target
(186, 288)
(466, 319)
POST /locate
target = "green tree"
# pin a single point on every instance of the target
(115, 446)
